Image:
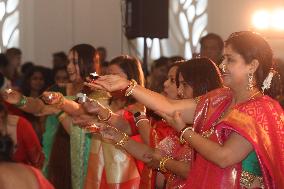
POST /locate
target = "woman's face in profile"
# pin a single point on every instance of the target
(170, 87)
(234, 69)
(73, 69)
(185, 91)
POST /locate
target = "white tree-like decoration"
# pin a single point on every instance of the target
(188, 22)
(9, 24)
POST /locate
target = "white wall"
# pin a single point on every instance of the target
(54, 25)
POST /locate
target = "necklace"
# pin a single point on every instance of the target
(208, 133)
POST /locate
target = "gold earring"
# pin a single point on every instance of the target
(250, 82)
(222, 66)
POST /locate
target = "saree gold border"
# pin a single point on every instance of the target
(242, 122)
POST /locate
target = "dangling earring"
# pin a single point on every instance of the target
(250, 82)
(222, 66)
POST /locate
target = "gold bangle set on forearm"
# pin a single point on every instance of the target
(162, 166)
(131, 87)
(107, 118)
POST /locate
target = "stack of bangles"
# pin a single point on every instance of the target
(107, 118)
(124, 139)
(140, 117)
(182, 132)
(130, 88)
(162, 166)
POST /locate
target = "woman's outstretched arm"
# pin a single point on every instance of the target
(150, 99)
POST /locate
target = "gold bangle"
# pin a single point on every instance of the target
(182, 132)
(123, 140)
(163, 161)
(131, 88)
(107, 118)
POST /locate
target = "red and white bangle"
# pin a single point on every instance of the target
(182, 132)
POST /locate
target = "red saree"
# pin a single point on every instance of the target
(165, 138)
(110, 167)
(259, 120)
(28, 149)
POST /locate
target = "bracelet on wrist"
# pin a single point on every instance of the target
(141, 120)
(131, 87)
(162, 166)
(182, 132)
(107, 118)
(23, 101)
(122, 142)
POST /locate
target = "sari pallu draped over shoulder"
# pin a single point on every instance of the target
(205, 174)
(261, 122)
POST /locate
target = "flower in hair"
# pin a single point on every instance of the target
(267, 82)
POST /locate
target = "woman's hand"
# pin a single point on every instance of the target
(11, 96)
(174, 121)
(110, 133)
(91, 106)
(155, 157)
(52, 98)
(136, 107)
(109, 83)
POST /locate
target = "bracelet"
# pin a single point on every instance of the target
(107, 118)
(123, 140)
(162, 166)
(182, 132)
(142, 119)
(23, 101)
(131, 87)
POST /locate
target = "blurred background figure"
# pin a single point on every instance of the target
(59, 59)
(103, 61)
(5, 83)
(212, 46)
(158, 75)
(14, 56)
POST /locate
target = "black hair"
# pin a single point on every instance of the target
(252, 46)
(86, 57)
(215, 37)
(201, 74)
(6, 148)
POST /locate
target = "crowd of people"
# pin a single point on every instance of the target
(214, 121)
